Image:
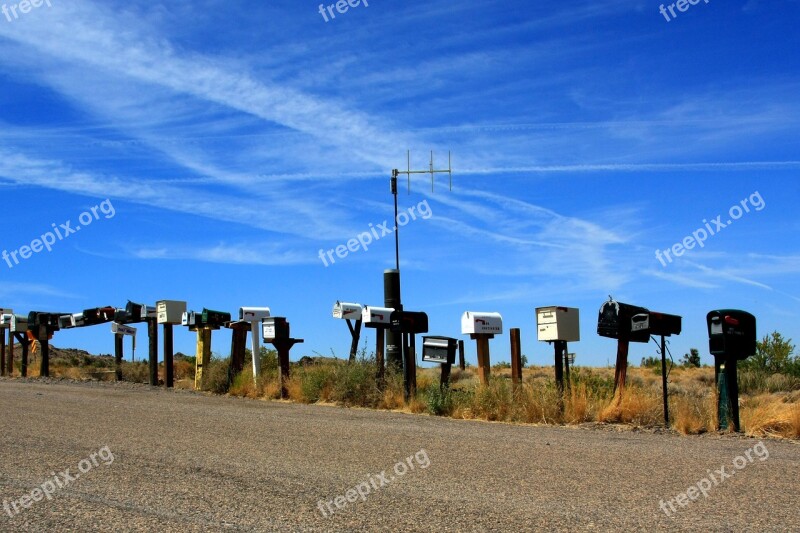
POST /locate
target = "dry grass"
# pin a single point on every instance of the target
(766, 416)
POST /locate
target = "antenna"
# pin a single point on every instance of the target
(431, 170)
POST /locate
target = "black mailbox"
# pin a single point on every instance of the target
(215, 319)
(49, 320)
(731, 333)
(409, 322)
(131, 314)
(275, 327)
(439, 350)
(654, 323)
(98, 315)
(615, 319)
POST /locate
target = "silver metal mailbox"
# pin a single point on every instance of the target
(253, 314)
(439, 350)
(473, 323)
(557, 323)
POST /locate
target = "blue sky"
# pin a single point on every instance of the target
(237, 140)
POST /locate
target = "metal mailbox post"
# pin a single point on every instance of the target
(5, 323)
(379, 319)
(120, 331)
(169, 313)
(614, 322)
(481, 327)
(254, 316)
(559, 325)
(409, 324)
(18, 329)
(349, 312)
(137, 313)
(662, 325)
(731, 338)
(440, 350)
(276, 331)
(43, 325)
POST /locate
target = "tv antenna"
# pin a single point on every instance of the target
(431, 170)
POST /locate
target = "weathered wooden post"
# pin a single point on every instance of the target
(516, 358)
(276, 331)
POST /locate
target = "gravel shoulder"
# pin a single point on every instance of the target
(184, 461)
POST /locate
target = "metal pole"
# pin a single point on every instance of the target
(256, 347)
(152, 336)
(168, 355)
(44, 342)
(664, 380)
(391, 299)
(118, 355)
(559, 363)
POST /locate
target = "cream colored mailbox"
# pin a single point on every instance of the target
(170, 311)
(558, 324)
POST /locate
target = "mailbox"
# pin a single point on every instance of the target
(614, 321)
(558, 324)
(65, 322)
(377, 317)
(98, 315)
(408, 322)
(49, 320)
(6, 318)
(481, 323)
(170, 311)
(274, 328)
(439, 350)
(347, 311)
(731, 333)
(654, 323)
(215, 319)
(253, 314)
(191, 319)
(19, 324)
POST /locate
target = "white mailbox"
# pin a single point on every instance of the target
(148, 311)
(65, 322)
(253, 314)
(348, 311)
(473, 323)
(189, 318)
(170, 311)
(377, 317)
(19, 324)
(558, 324)
(6, 316)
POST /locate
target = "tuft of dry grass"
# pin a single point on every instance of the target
(763, 416)
(635, 406)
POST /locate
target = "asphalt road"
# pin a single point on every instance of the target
(131, 458)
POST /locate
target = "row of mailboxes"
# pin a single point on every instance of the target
(134, 313)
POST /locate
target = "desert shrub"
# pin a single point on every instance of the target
(354, 384)
(216, 375)
(138, 372)
(439, 401)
